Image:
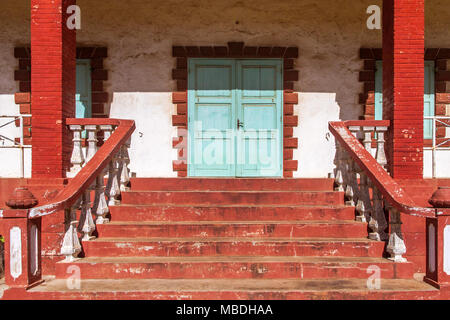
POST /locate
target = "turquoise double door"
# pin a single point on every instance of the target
(235, 118)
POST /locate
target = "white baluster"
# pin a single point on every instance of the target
(361, 210)
(100, 204)
(349, 193)
(368, 138)
(353, 170)
(107, 131)
(363, 206)
(77, 159)
(92, 141)
(381, 152)
(86, 216)
(71, 244)
(113, 183)
(377, 221)
(339, 179)
(396, 246)
(125, 158)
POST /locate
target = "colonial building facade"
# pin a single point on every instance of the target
(181, 145)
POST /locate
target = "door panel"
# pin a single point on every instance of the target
(211, 117)
(259, 109)
(221, 92)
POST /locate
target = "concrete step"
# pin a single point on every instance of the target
(227, 184)
(229, 213)
(233, 197)
(250, 229)
(235, 267)
(228, 289)
(172, 247)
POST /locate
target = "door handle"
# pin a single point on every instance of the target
(239, 124)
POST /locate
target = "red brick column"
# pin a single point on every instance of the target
(53, 83)
(403, 85)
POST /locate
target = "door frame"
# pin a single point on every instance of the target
(182, 53)
(235, 170)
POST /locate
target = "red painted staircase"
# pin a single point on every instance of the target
(233, 239)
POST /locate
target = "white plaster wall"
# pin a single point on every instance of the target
(140, 34)
(14, 30)
(151, 151)
(11, 158)
(442, 163)
(316, 151)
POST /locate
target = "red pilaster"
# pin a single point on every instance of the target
(53, 83)
(403, 85)
(22, 249)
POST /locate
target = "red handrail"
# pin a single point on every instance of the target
(390, 189)
(76, 186)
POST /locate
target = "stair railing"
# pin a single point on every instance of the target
(22, 226)
(361, 173)
(88, 175)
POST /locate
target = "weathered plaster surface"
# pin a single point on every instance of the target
(139, 35)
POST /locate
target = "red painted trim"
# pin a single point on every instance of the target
(368, 123)
(67, 196)
(15, 213)
(390, 190)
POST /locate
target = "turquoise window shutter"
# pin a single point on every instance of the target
(428, 100)
(379, 91)
(83, 95)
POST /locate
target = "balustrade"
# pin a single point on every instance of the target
(364, 194)
(117, 175)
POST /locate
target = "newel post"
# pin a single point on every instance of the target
(22, 241)
(396, 246)
(438, 250)
(438, 241)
